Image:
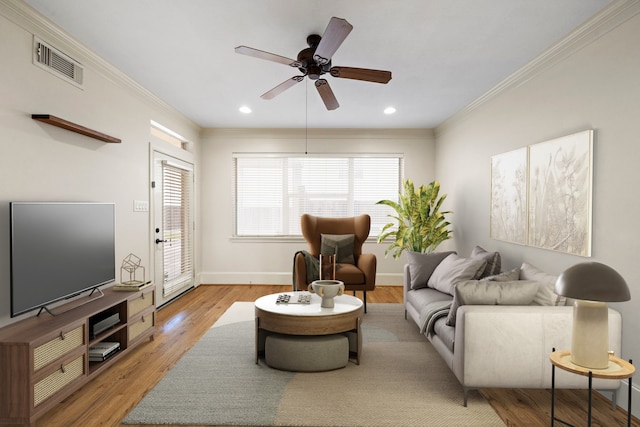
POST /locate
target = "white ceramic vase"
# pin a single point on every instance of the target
(327, 290)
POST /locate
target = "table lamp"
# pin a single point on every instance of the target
(592, 285)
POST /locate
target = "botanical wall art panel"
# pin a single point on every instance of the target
(560, 175)
(509, 196)
(541, 194)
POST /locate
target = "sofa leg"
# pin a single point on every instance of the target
(465, 392)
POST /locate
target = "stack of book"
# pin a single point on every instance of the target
(138, 286)
(101, 351)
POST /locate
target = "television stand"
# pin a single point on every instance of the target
(45, 359)
(45, 308)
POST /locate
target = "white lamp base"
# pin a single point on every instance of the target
(590, 337)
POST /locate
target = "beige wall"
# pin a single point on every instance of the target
(596, 87)
(227, 260)
(40, 162)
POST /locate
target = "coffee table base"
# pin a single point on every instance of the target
(305, 353)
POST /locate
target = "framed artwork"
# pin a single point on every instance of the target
(509, 196)
(560, 182)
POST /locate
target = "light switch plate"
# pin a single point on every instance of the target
(140, 206)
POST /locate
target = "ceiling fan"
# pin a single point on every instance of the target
(315, 61)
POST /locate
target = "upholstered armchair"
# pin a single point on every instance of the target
(358, 272)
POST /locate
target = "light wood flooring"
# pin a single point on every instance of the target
(107, 399)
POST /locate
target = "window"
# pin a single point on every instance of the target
(177, 226)
(273, 191)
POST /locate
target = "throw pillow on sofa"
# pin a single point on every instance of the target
(546, 293)
(492, 258)
(486, 292)
(454, 269)
(505, 276)
(422, 265)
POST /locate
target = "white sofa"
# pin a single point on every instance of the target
(504, 346)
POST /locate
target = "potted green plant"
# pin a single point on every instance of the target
(420, 225)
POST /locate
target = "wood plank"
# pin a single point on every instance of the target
(110, 396)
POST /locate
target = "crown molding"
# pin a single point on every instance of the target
(29, 19)
(609, 18)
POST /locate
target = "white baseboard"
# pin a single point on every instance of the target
(276, 278)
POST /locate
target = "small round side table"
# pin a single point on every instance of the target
(618, 369)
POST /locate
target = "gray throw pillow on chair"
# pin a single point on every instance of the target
(340, 245)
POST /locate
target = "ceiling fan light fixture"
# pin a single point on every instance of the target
(390, 110)
(244, 109)
(314, 72)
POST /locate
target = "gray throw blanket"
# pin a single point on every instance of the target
(313, 268)
(432, 312)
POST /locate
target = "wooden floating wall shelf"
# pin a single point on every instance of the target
(64, 124)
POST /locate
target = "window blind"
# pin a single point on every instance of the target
(177, 220)
(271, 192)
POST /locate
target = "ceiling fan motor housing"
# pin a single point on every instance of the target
(309, 66)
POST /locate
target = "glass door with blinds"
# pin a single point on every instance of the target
(173, 226)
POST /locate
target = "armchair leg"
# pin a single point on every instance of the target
(364, 299)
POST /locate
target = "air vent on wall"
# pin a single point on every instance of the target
(51, 59)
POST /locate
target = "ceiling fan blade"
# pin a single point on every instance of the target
(282, 87)
(335, 33)
(326, 94)
(364, 74)
(249, 51)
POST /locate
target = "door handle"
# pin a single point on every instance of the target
(160, 241)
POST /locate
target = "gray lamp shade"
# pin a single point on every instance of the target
(592, 281)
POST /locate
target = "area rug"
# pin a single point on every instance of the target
(401, 381)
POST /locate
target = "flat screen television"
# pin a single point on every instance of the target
(58, 251)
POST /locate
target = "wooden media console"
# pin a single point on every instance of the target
(43, 359)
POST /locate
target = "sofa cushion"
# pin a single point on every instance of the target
(454, 269)
(339, 244)
(505, 276)
(492, 258)
(419, 298)
(421, 266)
(446, 333)
(546, 293)
(486, 292)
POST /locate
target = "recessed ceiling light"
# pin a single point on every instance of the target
(389, 110)
(244, 109)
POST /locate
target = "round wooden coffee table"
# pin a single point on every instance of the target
(310, 319)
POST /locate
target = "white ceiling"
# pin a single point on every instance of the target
(443, 54)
